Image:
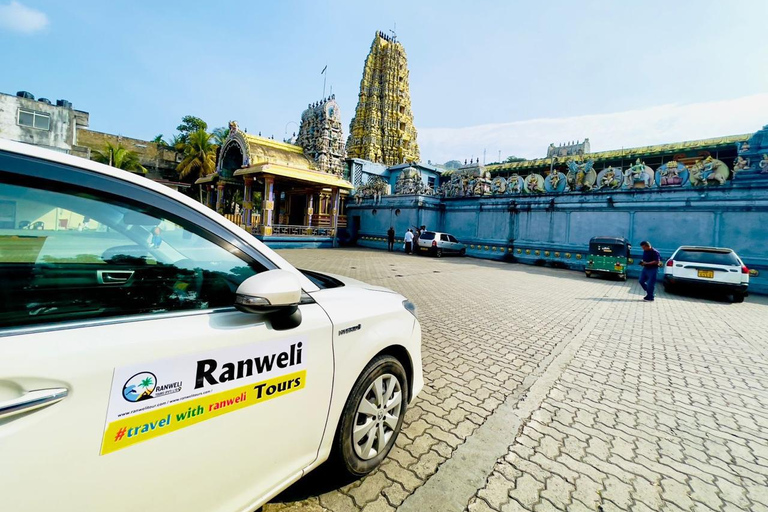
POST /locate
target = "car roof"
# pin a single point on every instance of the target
(608, 239)
(704, 248)
(23, 149)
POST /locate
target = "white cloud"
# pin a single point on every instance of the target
(19, 18)
(654, 125)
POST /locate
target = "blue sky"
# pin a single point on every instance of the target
(507, 77)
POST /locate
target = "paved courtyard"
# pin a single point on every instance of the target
(546, 390)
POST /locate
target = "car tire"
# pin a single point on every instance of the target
(463, 252)
(669, 288)
(439, 253)
(358, 451)
(737, 298)
(588, 273)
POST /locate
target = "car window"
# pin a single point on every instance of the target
(452, 238)
(444, 237)
(427, 235)
(711, 257)
(71, 256)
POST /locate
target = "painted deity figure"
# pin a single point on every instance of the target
(744, 147)
(740, 164)
(532, 183)
(581, 175)
(513, 184)
(554, 180)
(764, 164)
(636, 174)
(671, 174)
(609, 179)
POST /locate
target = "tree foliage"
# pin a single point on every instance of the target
(452, 164)
(199, 154)
(513, 158)
(220, 135)
(190, 125)
(119, 157)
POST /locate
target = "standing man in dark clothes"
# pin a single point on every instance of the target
(650, 263)
(391, 239)
(416, 241)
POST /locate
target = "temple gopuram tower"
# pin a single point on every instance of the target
(382, 130)
(320, 135)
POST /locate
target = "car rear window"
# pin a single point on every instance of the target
(711, 257)
(427, 235)
(607, 249)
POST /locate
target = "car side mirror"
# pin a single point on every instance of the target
(276, 293)
(268, 291)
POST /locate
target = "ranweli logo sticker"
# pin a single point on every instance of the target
(153, 399)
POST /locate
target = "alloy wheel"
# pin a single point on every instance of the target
(377, 416)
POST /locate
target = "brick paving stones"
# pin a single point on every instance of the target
(645, 406)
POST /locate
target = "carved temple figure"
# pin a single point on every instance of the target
(410, 182)
(764, 164)
(637, 174)
(534, 184)
(610, 179)
(320, 135)
(375, 188)
(498, 185)
(581, 175)
(708, 172)
(741, 164)
(232, 126)
(514, 185)
(670, 174)
(554, 180)
(744, 147)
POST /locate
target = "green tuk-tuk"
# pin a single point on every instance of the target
(608, 255)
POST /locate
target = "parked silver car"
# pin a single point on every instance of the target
(437, 244)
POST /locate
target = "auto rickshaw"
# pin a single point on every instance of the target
(608, 256)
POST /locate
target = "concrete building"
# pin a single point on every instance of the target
(42, 122)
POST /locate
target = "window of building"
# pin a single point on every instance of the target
(431, 182)
(34, 119)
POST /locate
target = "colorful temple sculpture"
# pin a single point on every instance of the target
(382, 129)
(285, 194)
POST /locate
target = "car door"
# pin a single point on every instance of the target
(127, 379)
(455, 244)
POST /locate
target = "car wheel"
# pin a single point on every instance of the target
(588, 273)
(737, 298)
(669, 288)
(463, 252)
(372, 416)
(439, 253)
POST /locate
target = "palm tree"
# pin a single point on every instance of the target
(120, 157)
(220, 135)
(199, 155)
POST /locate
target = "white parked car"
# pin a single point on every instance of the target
(154, 356)
(707, 267)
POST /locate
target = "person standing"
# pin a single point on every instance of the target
(650, 263)
(391, 239)
(408, 241)
(416, 241)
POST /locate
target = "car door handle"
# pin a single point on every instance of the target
(32, 400)
(114, 276)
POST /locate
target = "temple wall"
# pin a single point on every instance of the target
(554, 229)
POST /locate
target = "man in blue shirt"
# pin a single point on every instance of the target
(650, 263)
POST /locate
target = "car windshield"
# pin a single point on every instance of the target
(708, 256)
(427, 235)
(607, 249)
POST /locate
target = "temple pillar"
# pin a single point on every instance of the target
(310, 209)
(334, 207)
(247, 202)
(268, 205)
(219, 196)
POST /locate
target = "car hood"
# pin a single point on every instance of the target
(348, 281)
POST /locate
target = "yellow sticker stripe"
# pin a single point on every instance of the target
(135, 429)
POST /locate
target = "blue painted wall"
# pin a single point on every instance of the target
(554, 229)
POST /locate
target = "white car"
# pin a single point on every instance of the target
(154, 356)
(707, 267)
